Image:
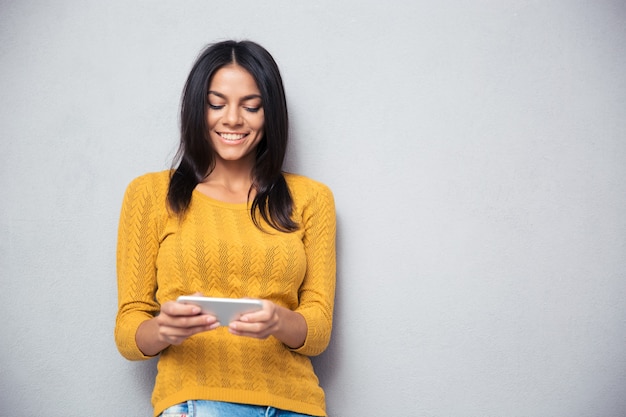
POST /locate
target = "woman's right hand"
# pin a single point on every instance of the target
(178, 321)
(175, 323)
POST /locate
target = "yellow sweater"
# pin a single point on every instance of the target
(217, 250)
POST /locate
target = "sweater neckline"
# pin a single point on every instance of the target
(219, 203)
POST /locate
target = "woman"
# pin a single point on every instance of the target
(227, 222)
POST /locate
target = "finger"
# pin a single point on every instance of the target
(187, 331)
(264, 314)
(174, 308)
(195, 321)
(185, 322)
(260, 330)
(176, 335)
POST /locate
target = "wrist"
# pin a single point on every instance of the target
(291, 328)
(148, 339)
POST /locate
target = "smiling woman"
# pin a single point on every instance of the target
(227, 222)
(197, 155)
(235, 120)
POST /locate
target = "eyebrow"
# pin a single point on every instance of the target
(244, 98)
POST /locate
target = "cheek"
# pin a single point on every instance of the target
(260, 134)
(210, 120)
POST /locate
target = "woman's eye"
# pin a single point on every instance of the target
(216, 106)
(252, 109)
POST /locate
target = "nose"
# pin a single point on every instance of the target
(232, 116)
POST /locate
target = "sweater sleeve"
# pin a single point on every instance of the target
(137, 248)
(317, 293)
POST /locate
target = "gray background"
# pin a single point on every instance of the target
(476, 151)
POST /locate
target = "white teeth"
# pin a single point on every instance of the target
(232, 136)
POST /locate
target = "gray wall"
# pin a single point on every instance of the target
(477, 152)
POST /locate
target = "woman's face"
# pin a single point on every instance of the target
(235, 115)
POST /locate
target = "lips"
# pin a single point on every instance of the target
(232, 136)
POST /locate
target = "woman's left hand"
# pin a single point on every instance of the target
(272, 320)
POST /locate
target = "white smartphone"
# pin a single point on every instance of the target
(225, 309)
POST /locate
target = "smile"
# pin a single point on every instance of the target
(232, 136)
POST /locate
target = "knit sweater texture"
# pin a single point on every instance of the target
(218, 251)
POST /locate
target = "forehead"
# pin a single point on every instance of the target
(232, 80)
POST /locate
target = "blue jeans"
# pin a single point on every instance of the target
(201, 408)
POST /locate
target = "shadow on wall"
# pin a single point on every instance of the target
(144, 374)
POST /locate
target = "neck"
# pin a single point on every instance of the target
(237, 171)
(229, 181)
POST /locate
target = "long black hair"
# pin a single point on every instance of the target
(195, 156)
